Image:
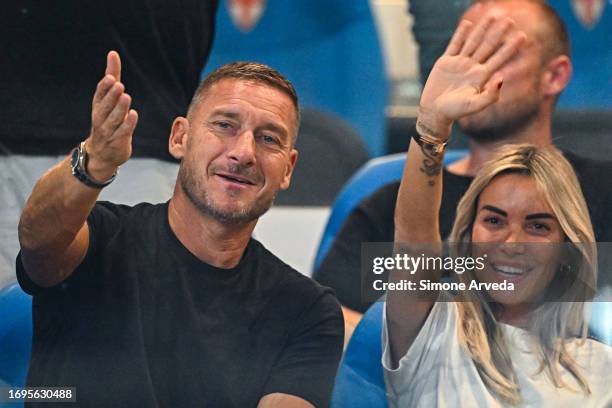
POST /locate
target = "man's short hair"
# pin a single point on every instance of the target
(251, 72)
(555, 40)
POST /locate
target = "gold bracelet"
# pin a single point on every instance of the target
(429, 142)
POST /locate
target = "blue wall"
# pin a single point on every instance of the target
(591, 86)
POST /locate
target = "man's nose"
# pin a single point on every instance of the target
(243, 149)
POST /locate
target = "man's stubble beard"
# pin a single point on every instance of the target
(200, 198)
(499, 122)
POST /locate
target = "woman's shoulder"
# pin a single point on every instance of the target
(591, 353)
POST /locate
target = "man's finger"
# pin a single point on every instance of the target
(104, 107)
(113, 65)
(128, 125)
(458, 39)
(117, 115)
(102, 88)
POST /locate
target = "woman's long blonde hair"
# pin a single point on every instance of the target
(552, 322)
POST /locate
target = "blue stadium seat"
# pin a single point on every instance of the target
(373, 175)
(15, 335)
(359, 382)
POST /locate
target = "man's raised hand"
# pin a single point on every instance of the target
(109, 144)
(466, 79)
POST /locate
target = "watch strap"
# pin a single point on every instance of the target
(79, 168)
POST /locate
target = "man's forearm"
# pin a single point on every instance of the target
(53, 216)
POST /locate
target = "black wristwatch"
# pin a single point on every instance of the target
(78, 164)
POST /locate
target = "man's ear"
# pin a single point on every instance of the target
(293, 155)
(557, 75)
(177, 143)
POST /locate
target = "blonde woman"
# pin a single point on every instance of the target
(493, 347)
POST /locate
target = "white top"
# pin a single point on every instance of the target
(437, 372)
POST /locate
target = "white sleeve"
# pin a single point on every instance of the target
(432, 344)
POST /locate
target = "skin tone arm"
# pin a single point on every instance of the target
(53, 232)
(351, 320)
(464, 80)
(280, 400)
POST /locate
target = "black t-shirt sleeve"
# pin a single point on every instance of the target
(307, 366)
(370, 221)
(103, 222)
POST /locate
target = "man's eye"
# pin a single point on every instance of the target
(271, 140)
(223, 125)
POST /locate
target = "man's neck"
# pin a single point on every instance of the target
(539, 134)
(218, 244)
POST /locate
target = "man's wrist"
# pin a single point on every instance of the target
(79, 163)
(100, 172)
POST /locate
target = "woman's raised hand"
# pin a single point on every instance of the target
(467, 78)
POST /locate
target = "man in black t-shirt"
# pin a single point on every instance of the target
(175, 304)
(533, 80)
